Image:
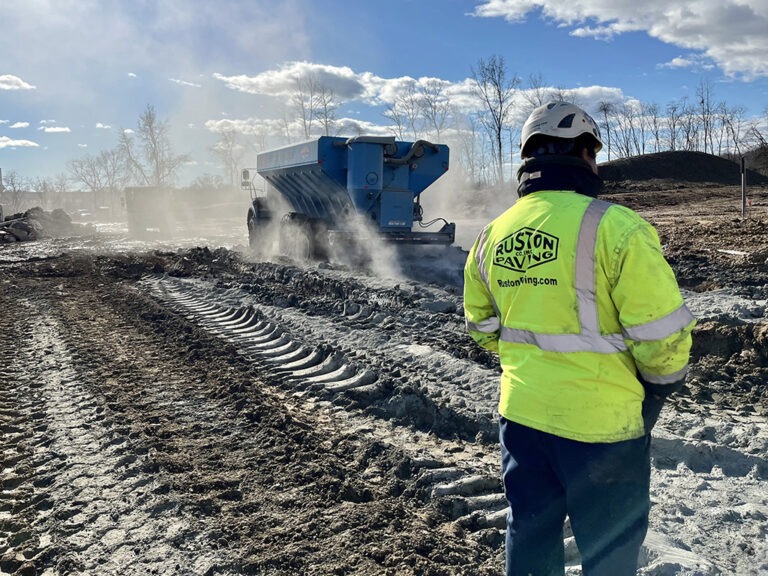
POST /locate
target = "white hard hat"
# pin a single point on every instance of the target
(559, 120)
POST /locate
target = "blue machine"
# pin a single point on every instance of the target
(330, 182)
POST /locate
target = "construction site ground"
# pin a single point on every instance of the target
(173, 406)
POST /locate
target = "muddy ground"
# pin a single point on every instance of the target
(179, 408)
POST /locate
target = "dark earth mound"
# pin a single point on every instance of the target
(669, 170)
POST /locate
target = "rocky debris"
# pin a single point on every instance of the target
(35, 224)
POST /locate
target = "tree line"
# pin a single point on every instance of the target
(484, 136)
(487, 136)
(141, 157)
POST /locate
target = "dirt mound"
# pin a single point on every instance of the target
(35, 224)
(670, 170)
(757, 159)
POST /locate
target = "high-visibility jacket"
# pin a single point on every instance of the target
(575, 295)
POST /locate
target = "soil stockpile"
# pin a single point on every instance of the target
(673, 170)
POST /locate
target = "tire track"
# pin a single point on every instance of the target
(82, 501)
(465, 488)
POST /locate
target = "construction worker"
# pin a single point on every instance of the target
(592, 334)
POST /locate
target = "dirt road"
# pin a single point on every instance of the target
(184, 410)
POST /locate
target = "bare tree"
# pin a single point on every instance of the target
(643, 128)
(207, 182)
(151, 162)
(706, 112)
(46, 191)
(607, 109)
(303, 102)
(654, 124)
(394, 114)
(720, 128)
(496, 89)
(672, 121)
(757, 136)
(60, 184)
(405, 111)
(229, 150)
(104, 175)
(14, 189)
(286, 123)
(434, 105)
(536, 94)
(627, 141)
(689, 127)
(326, 105)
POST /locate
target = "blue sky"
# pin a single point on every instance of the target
(73, 73)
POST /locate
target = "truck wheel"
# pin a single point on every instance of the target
(321, 248)
(296, 238)
(253, 231)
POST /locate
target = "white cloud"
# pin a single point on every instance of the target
(733, 33)
(346, 85)
(11, 82)
(693, 62)
(678, 62)
(131, 75)
(248, 126)
(372, 90)
(6, 142)
(184, 83)
(101, 126)
(54, 129)
(276, 127)
(19, 125)
(82, 145)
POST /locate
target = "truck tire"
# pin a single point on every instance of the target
(253, 231)
(295, 238)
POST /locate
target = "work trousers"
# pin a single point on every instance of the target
(603, 488)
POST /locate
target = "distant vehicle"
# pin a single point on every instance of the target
(149, 210)
(318, 193)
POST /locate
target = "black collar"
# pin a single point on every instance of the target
(554, 172)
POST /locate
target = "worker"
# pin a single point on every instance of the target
(592, 333)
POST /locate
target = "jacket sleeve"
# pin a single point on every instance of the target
(480, 314)
(656, 323)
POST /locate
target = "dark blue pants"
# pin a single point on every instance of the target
(602, 488)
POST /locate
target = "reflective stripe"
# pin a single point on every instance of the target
(666, 378)
(585, 266)
(662, 327)
(589, 338)
(489, 325)
(482, 246)
(608, 344)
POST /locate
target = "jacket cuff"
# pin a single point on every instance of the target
(662, 390)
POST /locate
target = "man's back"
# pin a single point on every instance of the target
(552, 263)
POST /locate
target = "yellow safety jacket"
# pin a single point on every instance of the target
(575, 295)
